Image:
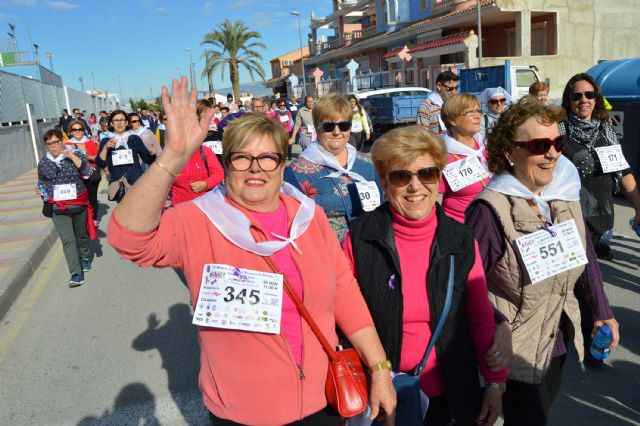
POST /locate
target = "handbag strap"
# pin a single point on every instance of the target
(304, 313)
(443, 318)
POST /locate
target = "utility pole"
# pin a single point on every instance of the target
(479, 34)
(94, 82)
(81, 80)
(37, 53)
(188, 49)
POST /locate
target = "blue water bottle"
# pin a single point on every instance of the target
(600, 343)
(43, 189)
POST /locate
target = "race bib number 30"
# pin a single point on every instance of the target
(65, 192)
(215, 146)
(120, 157)
(465, 172)
(546, 253)
(369, 195)
(239, 299)
(612, 158)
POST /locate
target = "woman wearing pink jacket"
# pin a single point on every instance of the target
(251, 232)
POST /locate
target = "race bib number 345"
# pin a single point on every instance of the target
(546, 253)
(239, 299)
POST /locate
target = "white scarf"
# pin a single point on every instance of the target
(318, 155)
(235, 226)
(56, 160)
(121, 140)
(458, 148)
(565, 186)
(83, 140)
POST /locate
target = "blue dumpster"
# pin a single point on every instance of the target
(620, 84)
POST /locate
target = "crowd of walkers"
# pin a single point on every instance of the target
(458, 258)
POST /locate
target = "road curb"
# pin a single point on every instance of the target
(18, 277)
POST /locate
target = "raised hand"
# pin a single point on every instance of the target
(185, 132)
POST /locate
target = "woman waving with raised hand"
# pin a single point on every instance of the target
(238, 246)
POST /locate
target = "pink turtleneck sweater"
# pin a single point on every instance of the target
(413, 240)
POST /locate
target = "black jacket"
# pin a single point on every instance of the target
(376, 259)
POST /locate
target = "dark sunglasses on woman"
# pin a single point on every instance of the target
(328, 126)
(541, 145)
(426, 175)
(589, 94)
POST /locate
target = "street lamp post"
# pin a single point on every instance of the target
(304, 78)
(12, 34)
(37, 53)
(50, 56)
(120, 87)
(188, 49)
(81, 80)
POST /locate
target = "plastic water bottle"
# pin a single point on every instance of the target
(600, 343)
(632, 222)
(43, 189)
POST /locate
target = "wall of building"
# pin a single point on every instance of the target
(16, 147)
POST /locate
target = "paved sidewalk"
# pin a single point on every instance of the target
(25, 236)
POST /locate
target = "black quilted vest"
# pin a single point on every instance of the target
(376, 259)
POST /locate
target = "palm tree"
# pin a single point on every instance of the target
(233, 46)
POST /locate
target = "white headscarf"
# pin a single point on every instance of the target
(318, 155)
(121, 140)
(234, 225)
(565, 186)
(491, 92)
(83, 140)
(56, 160)
(458, 148)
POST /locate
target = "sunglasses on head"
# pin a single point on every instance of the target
(589, 94)
(329, 126)
(425, 175)
(541, 145)
(497, 101)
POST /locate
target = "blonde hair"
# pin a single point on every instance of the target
(402, 145)
(238, 132)
(455, 105)
(331, 107)
(76, 122)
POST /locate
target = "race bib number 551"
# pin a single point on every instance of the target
(551, 251)
(239, 299)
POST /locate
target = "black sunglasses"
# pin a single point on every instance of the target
(134, 121)
(541, 145)
(576, 96)
(425, 175)
(449, 88)
(497, 101)
(77, 129)
(328, 126)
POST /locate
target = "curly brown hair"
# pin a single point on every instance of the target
(500, 140)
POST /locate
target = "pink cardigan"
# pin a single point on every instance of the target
(252, 378)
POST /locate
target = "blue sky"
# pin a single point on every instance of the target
(144, 40)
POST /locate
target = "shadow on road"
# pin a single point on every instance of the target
(177, 343)
(134, 405)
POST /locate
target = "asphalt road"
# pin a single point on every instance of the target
(121, 349)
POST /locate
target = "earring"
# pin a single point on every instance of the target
(511, 163)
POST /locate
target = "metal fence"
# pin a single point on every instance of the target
(372, 81)
(47, 100)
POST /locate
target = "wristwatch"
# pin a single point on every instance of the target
(384, 365)
(501, 387)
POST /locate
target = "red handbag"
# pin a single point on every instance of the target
(346, 385)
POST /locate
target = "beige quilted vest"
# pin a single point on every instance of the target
(534, 311)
